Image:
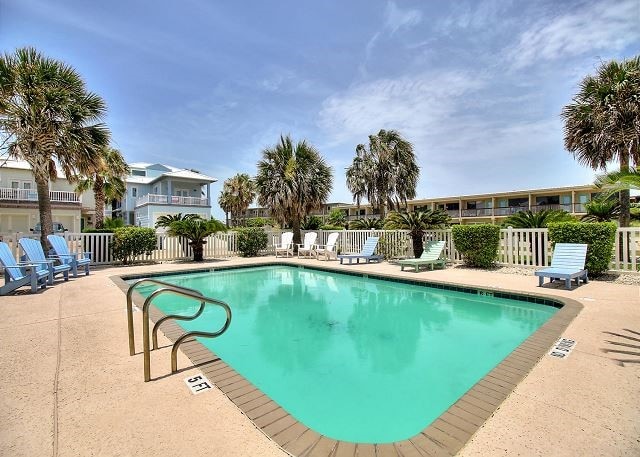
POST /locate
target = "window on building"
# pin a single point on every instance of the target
(548, 200)
(26, 185)
(138, 173)
(134, 192)
(15, 184)
(519, 202)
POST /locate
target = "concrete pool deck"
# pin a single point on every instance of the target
(69, 386)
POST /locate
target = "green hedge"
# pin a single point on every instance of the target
(600, 237)
(251, 241)
(478, 244)
(129, 242)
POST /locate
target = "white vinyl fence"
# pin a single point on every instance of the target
(518, 247)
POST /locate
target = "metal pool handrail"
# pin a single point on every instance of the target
(174, 350)
(132, 345)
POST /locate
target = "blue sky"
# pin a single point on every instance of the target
(476, 86)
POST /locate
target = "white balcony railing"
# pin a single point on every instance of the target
(171, 200)
(29, 195)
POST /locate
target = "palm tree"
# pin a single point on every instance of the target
(292, 180)
(105, 175)
(417, 222)
(617, 181)
(166, 220)
(337, 217)
(364, 223)
(49, 119)
(601, 210)
(196, 229)
(385, 174)
(603, 122)
(225, 200)
(540, 219)
(237, 194)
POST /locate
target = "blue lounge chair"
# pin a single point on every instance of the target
(432, 255)
(34, 254)
(366, 253)
(61, 249)
(19, 274)
(567, 263)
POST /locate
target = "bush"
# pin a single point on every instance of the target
(392, 249)
(260, 222)
(93, 230)
(311, 223)
(130, 242)
(600, 237)
(331, 227)
(478, 244)
(251, 241)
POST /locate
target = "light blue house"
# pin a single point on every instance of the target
(155, 190)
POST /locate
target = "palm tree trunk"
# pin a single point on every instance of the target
(418, 247)
(297, 236)
(98, 191)
(625, 206)
(44, 208)
(198, 250)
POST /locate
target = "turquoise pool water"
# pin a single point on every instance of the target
(353, 358)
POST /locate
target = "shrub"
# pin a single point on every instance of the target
(311, 223)
(112, 224)
(392, 248)
(94, 230)
(600, 237)
(331, 227)
(129, 242)
(478, 244)
(251, 241)
(260, 222)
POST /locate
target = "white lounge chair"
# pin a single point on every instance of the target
(306, 248)
(567, 263)
(286, 245)
(367, 252)
(328, 250)
(432, 255)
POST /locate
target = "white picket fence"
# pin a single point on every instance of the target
(518, 247)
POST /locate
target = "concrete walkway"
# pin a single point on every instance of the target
(69, 388)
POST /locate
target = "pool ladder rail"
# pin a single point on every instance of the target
(168, 288)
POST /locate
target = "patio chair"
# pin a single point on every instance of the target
(327, 250)
(305, 249)
(432, 255)
(34, 254)
(567, 263)
(286, 244)
(18, 274)
(366, 253)
(61, 249)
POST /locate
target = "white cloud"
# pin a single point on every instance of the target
(412, 104)
(610, 26)
(396, 18)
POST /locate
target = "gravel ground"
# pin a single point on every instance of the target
(616, 278)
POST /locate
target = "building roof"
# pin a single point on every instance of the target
(172, 172)
(23, 165)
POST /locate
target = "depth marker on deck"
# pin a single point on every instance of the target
(198, 383)
(562, 348)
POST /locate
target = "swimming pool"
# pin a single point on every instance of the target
(354, 358)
